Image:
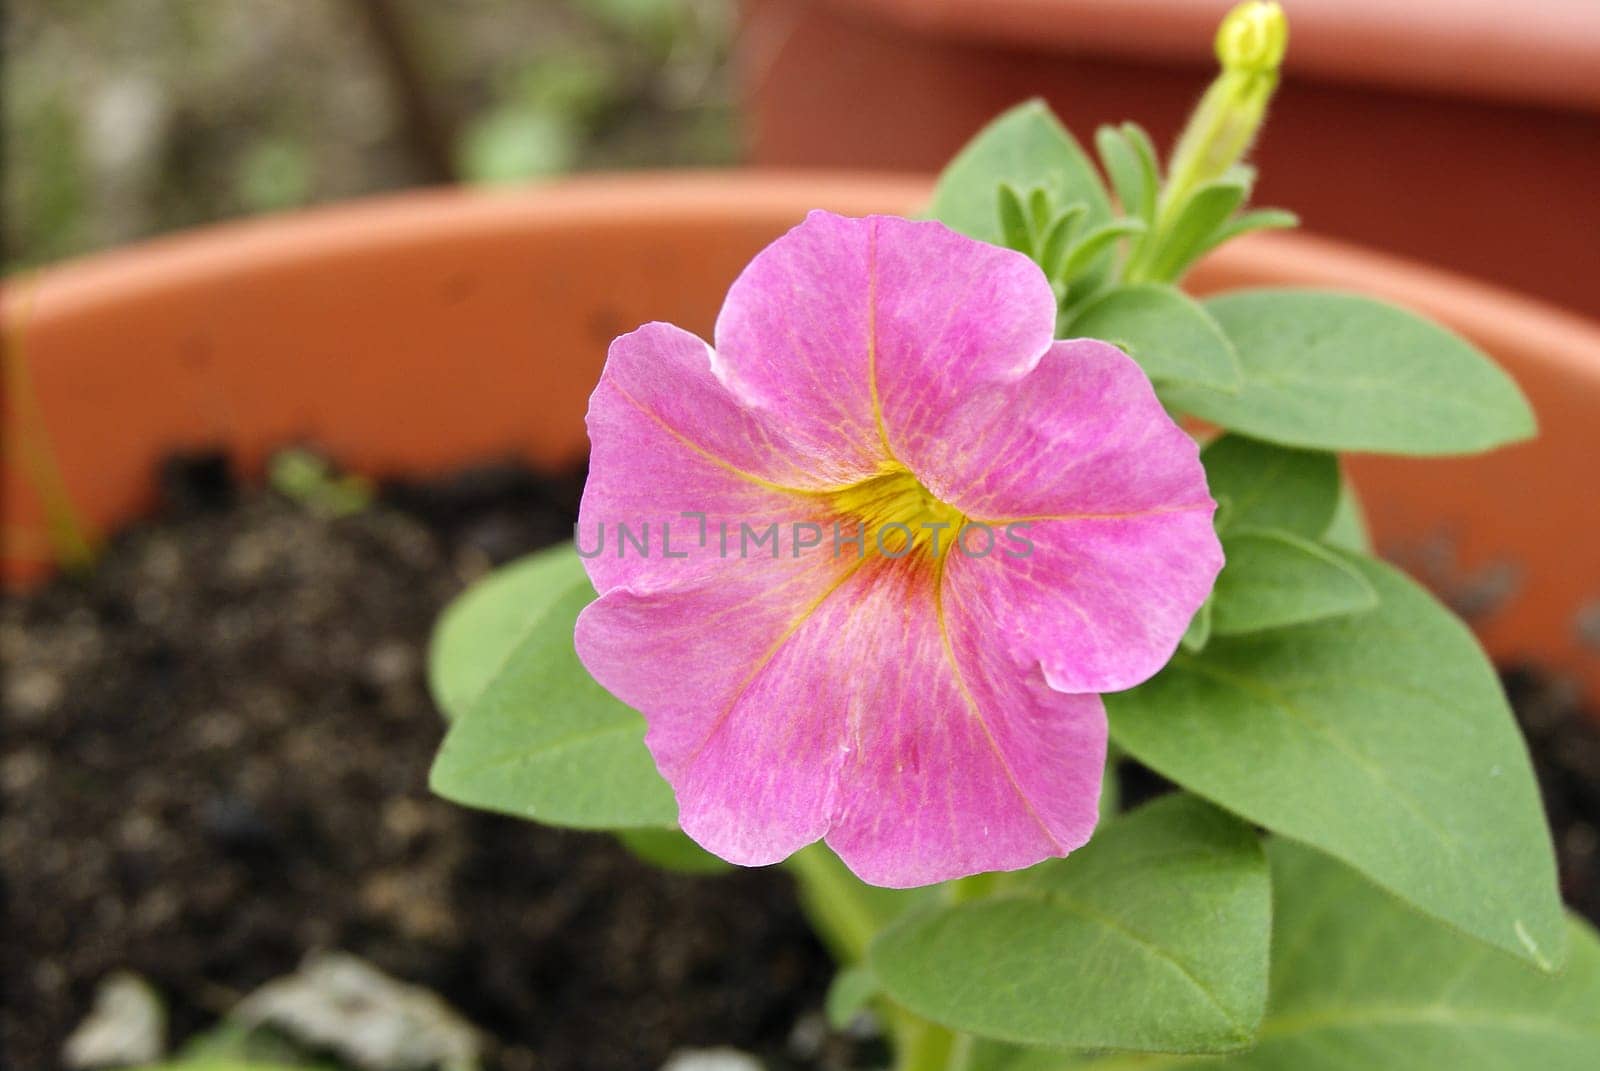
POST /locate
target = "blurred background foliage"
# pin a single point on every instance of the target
(127, 118)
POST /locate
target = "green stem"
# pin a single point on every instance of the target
(832, 899)
(923, 1046)
(841, 909)
(72, 541)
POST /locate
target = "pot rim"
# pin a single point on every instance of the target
(732, 197)
(1546, 53)
(399, 221)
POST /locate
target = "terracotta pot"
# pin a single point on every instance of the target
(420, 332)
(1462, 132)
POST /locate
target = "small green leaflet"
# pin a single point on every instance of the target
(1273, 579)
(1130, 162)
(537, 737)
(1271, 486)
(1172, 337)
(1153, 936)
(1273, 503)
(480, 628)
(849, 992)
(1382, 739)
(1195, 230)
(1337, 371)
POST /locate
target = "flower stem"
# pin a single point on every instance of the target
(923, 1046)
(833, 900)
(848, 915)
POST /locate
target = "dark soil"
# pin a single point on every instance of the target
(215, 760)
(215, 757)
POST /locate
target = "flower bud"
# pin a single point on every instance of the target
(1250, 46)
(1253, 37)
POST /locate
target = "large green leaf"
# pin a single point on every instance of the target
(537, 737)
(1273, 579)
(1172, 337)
(1271, 486)
(1341, 372)
(1360, 982)
(1027, 148)
(1154, 936)
(481, 627)
(1383, 739)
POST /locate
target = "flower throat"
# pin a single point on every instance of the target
(897, 516)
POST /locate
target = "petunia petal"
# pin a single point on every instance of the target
(931, 716)
(1081, 434)
(962, 760)
(667, 438)
(832, 704)
(735, 680)
(1101, 604)
(1114, 512)
(845, 331)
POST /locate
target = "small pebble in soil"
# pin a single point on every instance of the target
(712, 1060)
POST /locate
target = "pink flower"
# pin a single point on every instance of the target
(929, 710)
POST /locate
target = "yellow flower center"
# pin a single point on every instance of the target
(896, 516)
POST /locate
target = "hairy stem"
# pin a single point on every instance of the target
(848, 914)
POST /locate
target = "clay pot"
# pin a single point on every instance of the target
(420, 332)
(1462, 132)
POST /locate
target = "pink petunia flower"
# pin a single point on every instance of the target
(928, 708)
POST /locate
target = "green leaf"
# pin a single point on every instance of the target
(1348, 528)
(1260, 220)
(1153, 936)
(235, 1044)
(1014, 228)
(1273, 486)
(1340, 372)
(1026, 147)
(537, 737)
(1357, 975)
(1273, 579)
(1361, 982)
(1172, 337)
(482, 626)
(1197, 222)
(1383, 740)
(671, 849)
(1095, 244)
(1039, 211)
(1198, 634)
(1130, 174)
(1149, 161)
(849, 992)
(1057, 237)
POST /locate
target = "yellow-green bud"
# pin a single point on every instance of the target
(1250, 45)
(1253, 37)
